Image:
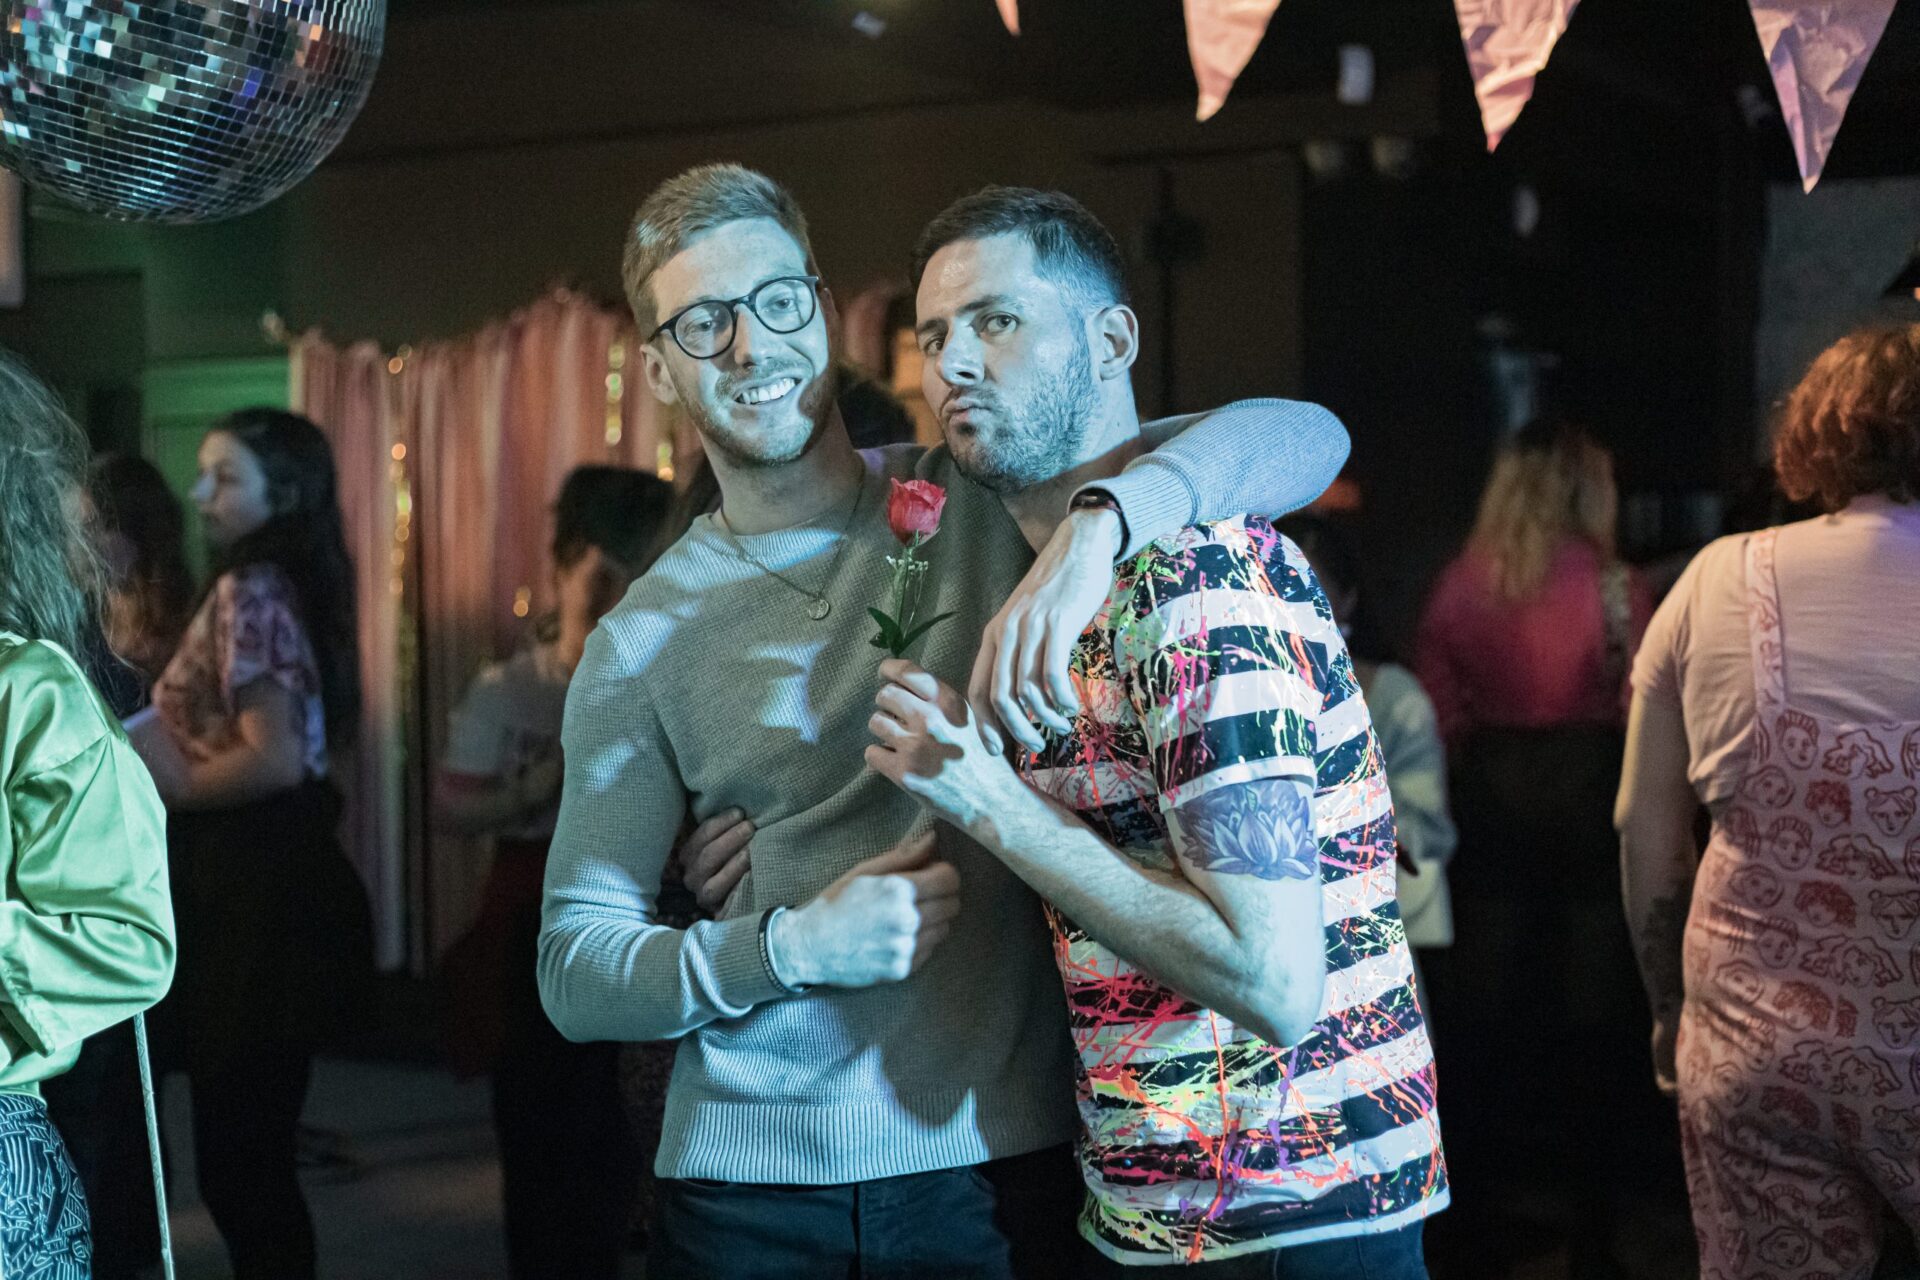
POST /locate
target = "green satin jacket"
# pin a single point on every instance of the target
(86, 923)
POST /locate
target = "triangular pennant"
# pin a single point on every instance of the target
(1508, 42)
(1221, 37)
(1816, 53)
(1010, 14)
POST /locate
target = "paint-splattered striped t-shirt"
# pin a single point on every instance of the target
(1216, 660)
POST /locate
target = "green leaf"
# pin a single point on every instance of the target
(907, 640)
(889, 637)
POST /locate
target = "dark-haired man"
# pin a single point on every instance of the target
(873, 1078)
(1212, 833)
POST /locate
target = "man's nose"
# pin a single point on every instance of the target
(960, 363)
(750, 337)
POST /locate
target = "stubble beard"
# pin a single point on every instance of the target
(721, 433)
(1038, 438)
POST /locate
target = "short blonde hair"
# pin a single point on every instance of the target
(686, 206)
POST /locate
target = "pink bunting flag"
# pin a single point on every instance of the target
(1508, 42)
(1816, 53)
(1221, 38)
(1010, 14)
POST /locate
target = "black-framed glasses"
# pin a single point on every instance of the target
(706, 329)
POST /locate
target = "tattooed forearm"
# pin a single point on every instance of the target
(1661, 937)
(1262, 829)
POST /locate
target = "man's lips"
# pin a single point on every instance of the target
(961, 411)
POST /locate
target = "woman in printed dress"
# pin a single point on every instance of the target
(1779, 686)
(276, 938)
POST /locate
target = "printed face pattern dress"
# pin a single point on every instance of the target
(1798, 1072)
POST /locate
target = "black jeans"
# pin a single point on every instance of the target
(1391, 1255)
(567, 1165)
(276, 957)
(1008, 1219)
(96, 1106)
(246, 1115)
(1540, 998)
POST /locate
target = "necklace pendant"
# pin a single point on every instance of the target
(819, 609)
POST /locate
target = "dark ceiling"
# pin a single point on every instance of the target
(1629, 76)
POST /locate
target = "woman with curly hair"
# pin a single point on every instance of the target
(86, 930)
(1779, 687)
(276, 937)
(140, 534)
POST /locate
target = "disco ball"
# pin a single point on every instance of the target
(177, 111)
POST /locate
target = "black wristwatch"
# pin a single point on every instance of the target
(1100, 500)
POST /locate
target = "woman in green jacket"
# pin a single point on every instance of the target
(86, 925)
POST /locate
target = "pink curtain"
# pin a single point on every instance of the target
(490, 424)
(348, 394)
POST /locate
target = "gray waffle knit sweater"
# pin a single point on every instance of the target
(709, 688)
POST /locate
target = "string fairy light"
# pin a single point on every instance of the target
(400, 481)
(616, 391)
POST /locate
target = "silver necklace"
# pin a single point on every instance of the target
(818, 606)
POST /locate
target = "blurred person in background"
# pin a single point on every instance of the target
(568, 1163)
(1778, 688)
(1409, 733)
(276, 937)
(1524, 648)
(139, 531)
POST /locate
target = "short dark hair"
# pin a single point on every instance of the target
(1328, 546)
(874, 416)
(1070, 246)
(131, 498)
(1852, 426)
(618, 509)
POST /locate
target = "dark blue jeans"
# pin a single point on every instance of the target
(1392, 1255)
(1007, 1219)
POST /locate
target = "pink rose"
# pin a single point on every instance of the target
(913, 509)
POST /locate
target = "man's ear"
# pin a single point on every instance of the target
(830, 311)
(658, 380)
(1116, 341)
